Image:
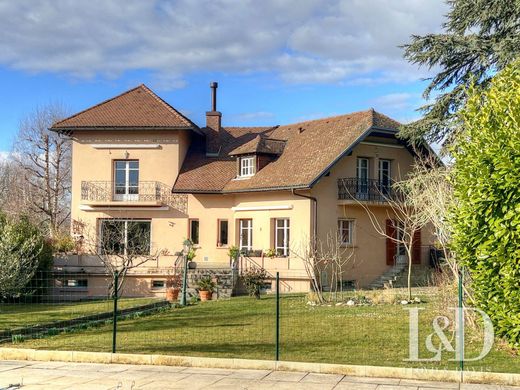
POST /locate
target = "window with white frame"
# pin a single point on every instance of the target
(247, 166)
(346, 231)
(281, 237)
(245, 228)
(125, 237)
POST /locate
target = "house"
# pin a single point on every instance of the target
(137, 161)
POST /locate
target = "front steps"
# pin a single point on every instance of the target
(387, 279)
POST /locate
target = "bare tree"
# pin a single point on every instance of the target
(404, 213)
(325, 262)
(16, 195)
(434, 192)
(45, 159)
(120, 246)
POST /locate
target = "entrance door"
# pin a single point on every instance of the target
(126, 183)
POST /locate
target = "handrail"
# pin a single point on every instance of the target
(145, 191)
(366, 190)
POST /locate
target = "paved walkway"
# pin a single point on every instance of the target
(86, 376)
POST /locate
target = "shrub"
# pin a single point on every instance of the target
(253, 280)
(24, 255)
(206, 283)
(486, 221)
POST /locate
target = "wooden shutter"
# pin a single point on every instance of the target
(390, 244)
(416, 247)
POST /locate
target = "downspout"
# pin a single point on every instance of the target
(314, 215)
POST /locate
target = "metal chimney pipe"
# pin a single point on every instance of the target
(213, 85)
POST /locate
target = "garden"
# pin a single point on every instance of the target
(374, 331)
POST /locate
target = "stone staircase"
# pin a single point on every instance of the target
(388, 278)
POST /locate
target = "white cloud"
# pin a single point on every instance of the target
(302, 41)
(395, 101)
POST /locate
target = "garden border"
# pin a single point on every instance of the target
(205, 362)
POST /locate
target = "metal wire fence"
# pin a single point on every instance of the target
(70, 311)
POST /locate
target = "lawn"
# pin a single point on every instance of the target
(245, 328)
(26, 314)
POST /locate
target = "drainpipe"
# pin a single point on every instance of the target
(314, 215)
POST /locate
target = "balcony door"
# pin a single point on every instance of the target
(362, 178)
(384, 177)
(126, 180)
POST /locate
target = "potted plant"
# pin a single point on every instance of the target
(206, 287)
(190, 256)
(173, 287)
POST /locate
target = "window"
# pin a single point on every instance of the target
(126, 180)
(245, 228)
(384, 176)
(281, 237)
(222, 232)
(194, 231)
(158, 284)
(125, 237)
(77, 283)
(247, 166)
(345, 231)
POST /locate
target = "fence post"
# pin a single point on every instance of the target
(461, 322)
(277, 354)
(114, 329)
(184, 281)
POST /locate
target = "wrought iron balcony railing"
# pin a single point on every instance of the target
(371, 190)
(144, 191)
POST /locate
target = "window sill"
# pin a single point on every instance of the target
(222, 247)
(348, 246)
(243, 177)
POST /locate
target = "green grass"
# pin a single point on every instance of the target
(245, 328)
(19, 315)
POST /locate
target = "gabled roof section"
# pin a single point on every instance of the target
(138, 108)
(311, 148)
(260, 145)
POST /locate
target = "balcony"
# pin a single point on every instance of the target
(352, 189)
(144, 194)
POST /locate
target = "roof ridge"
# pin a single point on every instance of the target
(327, 117)
(168, 105)
(97, 105)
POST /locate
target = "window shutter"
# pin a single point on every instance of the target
(390, 244)
(416, 247)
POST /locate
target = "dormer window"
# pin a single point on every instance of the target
(247, 166)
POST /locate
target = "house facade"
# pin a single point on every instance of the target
(140, 166)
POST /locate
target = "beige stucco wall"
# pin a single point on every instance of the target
(368, 252)
(170, 227)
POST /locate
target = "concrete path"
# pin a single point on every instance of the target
(27, 375)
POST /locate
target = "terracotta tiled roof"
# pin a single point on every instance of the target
(137, 108)
(311, 148)
(258, 145)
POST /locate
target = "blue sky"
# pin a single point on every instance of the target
(276, 61)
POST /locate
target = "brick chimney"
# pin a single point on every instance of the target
(213, 124)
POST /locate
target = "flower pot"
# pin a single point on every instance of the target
(192, 265)
(172, 294)
(205, 295)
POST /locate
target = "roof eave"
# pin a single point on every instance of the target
(70, 130)
(260, 189)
